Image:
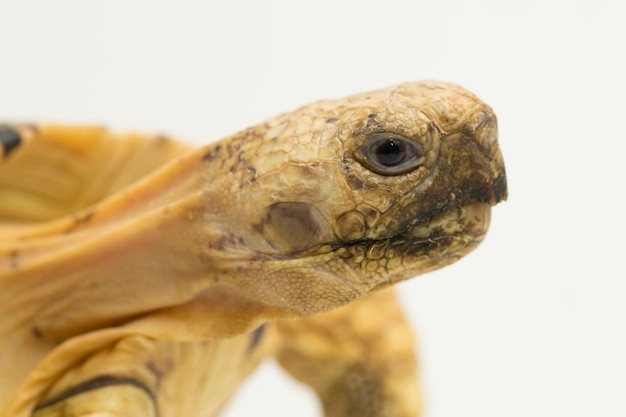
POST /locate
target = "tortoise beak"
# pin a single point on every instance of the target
(467, 171)
(499, 188)
(500, 191)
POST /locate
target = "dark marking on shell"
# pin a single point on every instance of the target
(10, 139)
(36, 331)
(255, 337)
(96, 383)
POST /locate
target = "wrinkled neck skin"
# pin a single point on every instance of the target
(156, 247)
(150, 261)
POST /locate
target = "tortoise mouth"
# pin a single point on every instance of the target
(432, 244)
(444, 234)
(470, 219)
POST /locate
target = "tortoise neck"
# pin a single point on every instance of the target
(141, 251)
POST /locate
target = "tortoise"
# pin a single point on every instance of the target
(142, 277)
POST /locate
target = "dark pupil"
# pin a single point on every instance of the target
(389, 152)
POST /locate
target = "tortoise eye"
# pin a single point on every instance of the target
(390, 154)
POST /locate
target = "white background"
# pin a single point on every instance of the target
(533, 322)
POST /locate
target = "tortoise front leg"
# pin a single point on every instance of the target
(359, 359)
(115, 399)
(121, 380)
(138, 376)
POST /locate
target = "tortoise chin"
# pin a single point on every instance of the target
(429, 245)
(440, 241)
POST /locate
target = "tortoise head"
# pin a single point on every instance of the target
(295, 216)
(343, 197)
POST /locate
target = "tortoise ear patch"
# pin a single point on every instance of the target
(292, 226)
(9, 139)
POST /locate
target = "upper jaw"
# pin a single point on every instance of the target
(463, 175)
(471, 219)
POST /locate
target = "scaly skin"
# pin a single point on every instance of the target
(144, 298)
